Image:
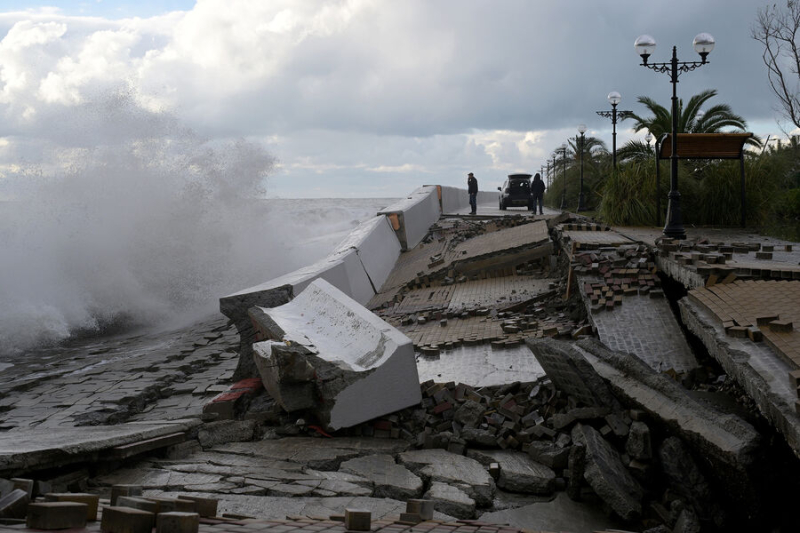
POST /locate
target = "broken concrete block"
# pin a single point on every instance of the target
(357, 519)
(124, 490)
(224, 431)
(571, 373)
(607, 475)
(56, 515)
(92, 501)
(451, 500)
(363, 368)
(14, 504)
(177, 522)
(389, 479)
(549, 454)
(126, 520)
(577, 467)
(638, 444)
(206, 507)
(518, 472)
(440, 465)
(725, 441)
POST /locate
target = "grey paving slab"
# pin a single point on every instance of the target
(647, 328)
(481, 365)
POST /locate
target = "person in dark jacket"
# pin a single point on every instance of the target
(537, 190)
(472, 189)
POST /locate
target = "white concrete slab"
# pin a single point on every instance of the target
(378, 371)
(377, 247)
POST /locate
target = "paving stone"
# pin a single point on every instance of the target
(177, 522)
(56, 515)
(390, 479)
(451, 500)
(92, 501)
(423, 508)
(357, 519)
(14, 504)
(24, 484)
(126, 520)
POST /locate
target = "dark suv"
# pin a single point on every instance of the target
(516, 191)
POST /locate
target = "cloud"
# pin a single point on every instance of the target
(413, 87)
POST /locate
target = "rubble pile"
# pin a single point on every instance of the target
(620, 271)
(715, 262)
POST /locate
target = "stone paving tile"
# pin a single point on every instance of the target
(505, 239)
(116, 374)
(745, 301)
(458, 330)
(481, 366)
(598, 238)
(490, 292)
(647, 328)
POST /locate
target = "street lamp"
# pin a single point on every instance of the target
(563, 151)
(648, 138)
(703, 45)
(614, 98)
(581, 130)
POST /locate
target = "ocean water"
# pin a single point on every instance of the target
(74, 266)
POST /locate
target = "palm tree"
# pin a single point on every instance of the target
(690, 119)
(592, 147)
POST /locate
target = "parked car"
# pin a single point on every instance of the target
(516, 192)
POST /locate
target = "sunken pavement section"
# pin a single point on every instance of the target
(520, 370)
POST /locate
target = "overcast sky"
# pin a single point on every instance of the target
(364, 98)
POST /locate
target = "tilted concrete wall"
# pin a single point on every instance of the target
(455, 199)
(415, 215)
(358, 267)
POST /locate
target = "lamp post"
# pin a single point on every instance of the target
(703, 45)
(614, 98)
(648, 138)
(553, 176)
(563, 151)
(581, 130)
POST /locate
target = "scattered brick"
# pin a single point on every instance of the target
(56, 515)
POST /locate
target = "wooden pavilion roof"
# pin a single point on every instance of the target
(704, 145)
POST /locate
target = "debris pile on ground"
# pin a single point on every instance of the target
(718, 261)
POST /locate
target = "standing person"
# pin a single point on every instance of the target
(537, 190)
(472, 189)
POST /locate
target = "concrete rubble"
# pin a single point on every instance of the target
(325, 417)
(328, 354)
